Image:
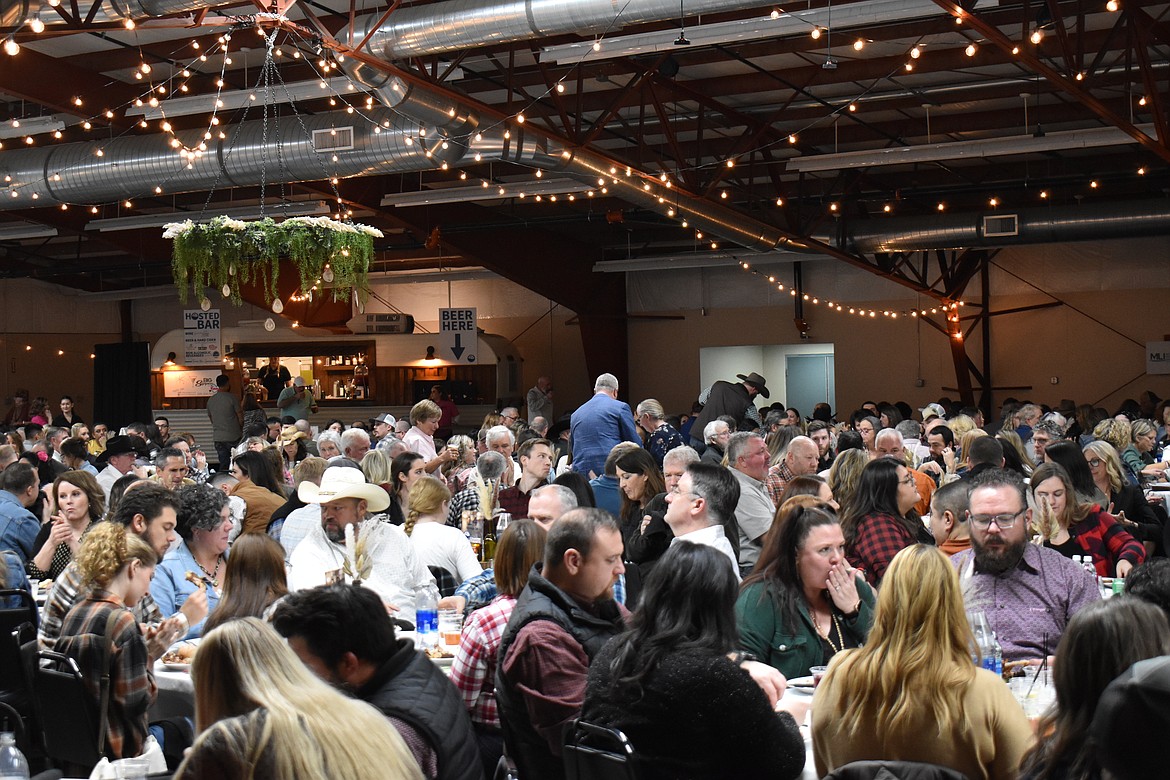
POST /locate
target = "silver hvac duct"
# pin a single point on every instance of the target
(460, 24)
(17, 12)
(131, 167)
(1009, 228)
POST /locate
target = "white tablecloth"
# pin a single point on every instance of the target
(804, 696)
(176, 694)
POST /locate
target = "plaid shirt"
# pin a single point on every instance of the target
(514, 501)
(65, 594)
(466, 500)
(1100, 535)
(474, 669)
(778, 478)
(132, 687)
(481, 589)
(879, 538)
(478, 590)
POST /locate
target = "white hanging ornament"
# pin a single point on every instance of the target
(232, 269)
(205, 304)
(277, 306)
(227, 291)
(269, 325)
(327, 274)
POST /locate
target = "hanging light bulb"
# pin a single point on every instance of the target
(11, 47)
(36, 25)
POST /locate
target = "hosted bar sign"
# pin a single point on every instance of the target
(201, 338)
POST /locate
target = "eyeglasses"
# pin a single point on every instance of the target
(1094, 462)
(1003, 521)
(909, 480)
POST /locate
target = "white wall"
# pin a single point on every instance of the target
(768, 360)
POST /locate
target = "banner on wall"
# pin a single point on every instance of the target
(189, 384)
(201, 338)
(1158, 357)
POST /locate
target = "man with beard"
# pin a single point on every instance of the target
(1028, 592)
(386, 562)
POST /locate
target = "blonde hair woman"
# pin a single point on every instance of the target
(457, 472)
(960, 425)
(435, 542)
(262, 713)
(1128, 503)
(118, 566)
(845, 473)
(915, 677)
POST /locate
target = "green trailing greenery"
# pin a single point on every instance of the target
(229, 253)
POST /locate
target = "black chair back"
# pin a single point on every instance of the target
(68, 713)
(594, 752)
(25, 611)
(445, 580)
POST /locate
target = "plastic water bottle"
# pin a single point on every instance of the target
(13, 765)
(996, 655)
(426, 616)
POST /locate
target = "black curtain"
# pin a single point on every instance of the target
(121, 384)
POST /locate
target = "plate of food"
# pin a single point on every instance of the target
(440, 655)
(806, 683)
(179, 658)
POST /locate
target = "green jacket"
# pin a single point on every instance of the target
(792, 649)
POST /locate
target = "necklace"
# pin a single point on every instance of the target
(212, 576)
(826, 635)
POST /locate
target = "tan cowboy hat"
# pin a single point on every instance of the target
(344, 482)
(289, 434)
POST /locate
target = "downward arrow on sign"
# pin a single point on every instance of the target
(457, 350)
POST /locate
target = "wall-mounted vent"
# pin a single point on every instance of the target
(388, 322)
(335, 139)
(1000, 225)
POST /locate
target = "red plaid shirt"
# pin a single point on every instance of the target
(132, 687)
(879, 538)
(778, 478)
(474, 669)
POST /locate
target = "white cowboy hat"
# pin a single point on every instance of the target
(344, 482)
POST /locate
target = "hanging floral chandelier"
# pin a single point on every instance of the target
(225, 254)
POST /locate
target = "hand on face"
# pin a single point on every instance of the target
(843, 587)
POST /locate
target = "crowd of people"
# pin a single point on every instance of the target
(665, 576)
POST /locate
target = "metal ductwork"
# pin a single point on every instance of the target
(131, 167)
(16, 12)
(1049, 225)
(460, 24)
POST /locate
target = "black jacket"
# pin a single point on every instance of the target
(410, 687)
(541, 600)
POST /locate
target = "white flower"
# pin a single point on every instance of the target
(176, 229)
(370, 231)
